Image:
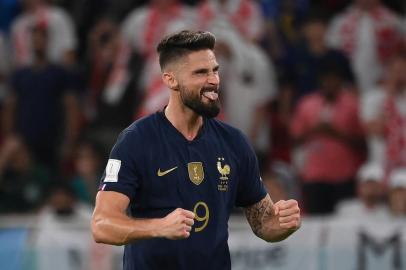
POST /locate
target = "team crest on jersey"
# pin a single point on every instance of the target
(196, 172)
(224, 171)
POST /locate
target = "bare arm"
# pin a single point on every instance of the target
(273, 222)
(111, 225)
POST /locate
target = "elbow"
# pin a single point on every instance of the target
(101, 232)
(97, 230)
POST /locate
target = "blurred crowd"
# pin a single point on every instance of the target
(318, 87)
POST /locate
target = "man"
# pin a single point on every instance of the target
(42, 94)
(180, 172)
(326, 127)
(369, 34)
(62, 37)
(384, 116)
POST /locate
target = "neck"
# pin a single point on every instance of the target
(186, 121)
(317, 48)
(40, 62)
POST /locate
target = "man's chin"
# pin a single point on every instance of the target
(210, 113)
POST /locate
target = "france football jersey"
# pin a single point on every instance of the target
(159, 170)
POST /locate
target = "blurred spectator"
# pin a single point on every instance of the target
(63, 240)
(248, 82)
(23, 182)
(397, 192)
(275, 187)
(88, 168)
(327, 128)
(242, 16)
(384, 116)
(61, 36)
(277, 114)
(62, 205)
(4, 66)
(41, 107)
(145, 26)
(303, 64)
(111, 98)
(283, 23)
(142, 29)
(369, 34)
(279, 174)
(370, 195)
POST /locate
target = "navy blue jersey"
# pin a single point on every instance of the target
(159, 170)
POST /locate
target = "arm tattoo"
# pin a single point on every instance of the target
(256, 213)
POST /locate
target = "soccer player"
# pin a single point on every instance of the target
(173, 177)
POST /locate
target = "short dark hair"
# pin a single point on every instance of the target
(181, 43)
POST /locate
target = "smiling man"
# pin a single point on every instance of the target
(173, 177)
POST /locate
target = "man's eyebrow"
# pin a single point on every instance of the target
(205, 70)
(200, 70)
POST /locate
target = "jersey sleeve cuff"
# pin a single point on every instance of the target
(116, 188)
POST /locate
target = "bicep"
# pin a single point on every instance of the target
(111, 203)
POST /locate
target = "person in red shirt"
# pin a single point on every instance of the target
(326, 127)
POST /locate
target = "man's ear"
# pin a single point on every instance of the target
(170, 81)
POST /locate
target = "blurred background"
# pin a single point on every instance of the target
(318, 87)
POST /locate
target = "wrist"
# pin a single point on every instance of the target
(157, 228)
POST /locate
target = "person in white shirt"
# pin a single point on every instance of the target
(242, 15)
(62, 38)
(371, 193)
(250, 82)
(397, 192)
(369, 33)
(142, 29)
(383, 114)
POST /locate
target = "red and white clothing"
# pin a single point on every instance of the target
(327, 158)
(243, 15)
(143, 29)
(61, 34)
(379, 104)
(369, 38)
(146, 26)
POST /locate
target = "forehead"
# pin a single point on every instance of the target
(200, 59)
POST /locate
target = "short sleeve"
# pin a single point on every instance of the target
(120, 174)
(250, 187)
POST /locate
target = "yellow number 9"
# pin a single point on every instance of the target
(204, 219)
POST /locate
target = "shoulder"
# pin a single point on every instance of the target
(20, 23)
(58, 14)
(135, 16)
(233, 136)
(309, 100)
(224, 128)
(341, 17)
(142, 128)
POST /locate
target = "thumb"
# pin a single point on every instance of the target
(275, 209)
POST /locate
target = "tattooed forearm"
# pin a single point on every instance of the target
(255, 215)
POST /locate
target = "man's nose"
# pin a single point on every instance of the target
(213, 78)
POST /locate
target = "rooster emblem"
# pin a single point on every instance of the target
(223, 170)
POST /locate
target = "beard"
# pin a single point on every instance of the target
(194, 102)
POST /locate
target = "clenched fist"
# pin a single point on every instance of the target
(177, 224)
(286, 214)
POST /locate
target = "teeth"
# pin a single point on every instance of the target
(211, 95)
